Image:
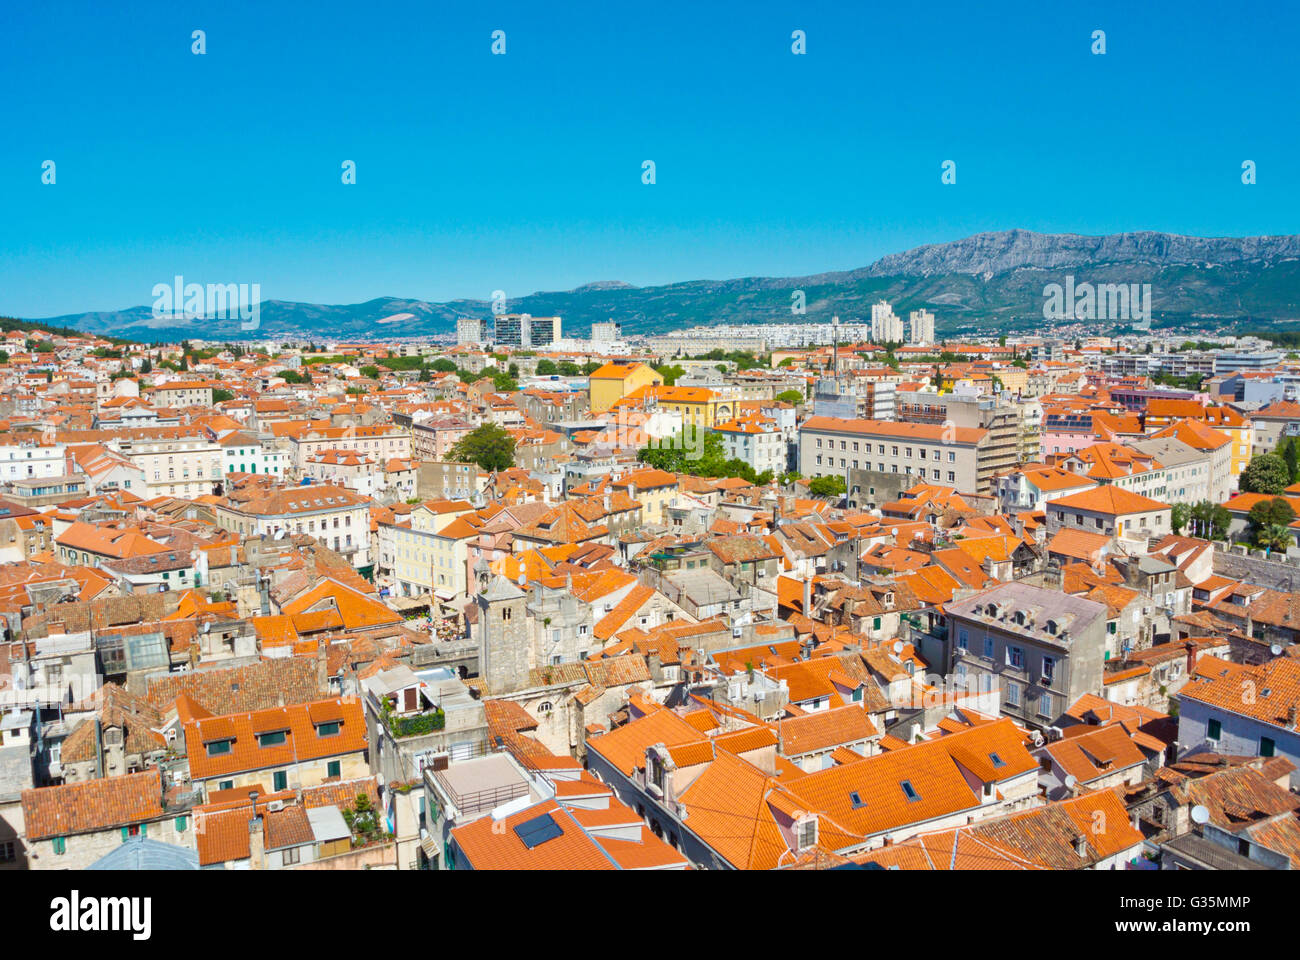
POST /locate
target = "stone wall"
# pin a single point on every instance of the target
(1252, 567)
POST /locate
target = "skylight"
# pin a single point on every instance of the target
(857, 800)
(997, 761)
(910, 791)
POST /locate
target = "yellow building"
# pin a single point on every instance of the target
(655, 490)
(615, 380)
(699, 406)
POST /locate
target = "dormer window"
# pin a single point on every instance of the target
(218, 748)
(272, 738)
(805, 833)
(1051, 627)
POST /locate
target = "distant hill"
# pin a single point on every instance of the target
(990, 281)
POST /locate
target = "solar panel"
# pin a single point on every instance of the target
(535, 832)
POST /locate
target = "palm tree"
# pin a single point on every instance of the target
(1275, 536)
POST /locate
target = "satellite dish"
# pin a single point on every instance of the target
(1070, 781)
(1200, 814)
(279, 533)
(1276, 649)
(898, 646)
(207, 626)
(523, 578)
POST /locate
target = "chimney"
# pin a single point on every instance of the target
(1081, 845)
(322, 669)
(256, 845)
(1191, 658)
(608, 503)
(807, 597)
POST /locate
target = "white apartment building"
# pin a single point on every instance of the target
(886, 327)
(921, 328)
(380, 441)
(174, 465)
(338, 518)
(244, 453)
(757, 441)
(22, 460)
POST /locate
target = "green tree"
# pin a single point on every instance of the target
(670, 374)
(1292, 457)
(292, 376)
(146, 366)
(222, 396)
(546, 368)
(513, 370)
(1179, 515)
(504, 382)
(588, 368)
(490, 446)
(443, 365)
(830, 486)
(1266, 473)
(370, 371)
(1271, 513)
(568, 368)
(792, 397)
(1275, 536)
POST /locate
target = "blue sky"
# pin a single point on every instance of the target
(523, 172)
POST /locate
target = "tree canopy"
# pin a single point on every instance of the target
(1266, 473)
(490, 446)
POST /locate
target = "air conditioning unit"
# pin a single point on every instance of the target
(275, 806)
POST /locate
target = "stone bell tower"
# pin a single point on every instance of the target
(503, 636)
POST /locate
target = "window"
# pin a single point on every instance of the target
(997, 761)
(60, 845)
(1045, 705)
(1013, 695)
(291, 856)
(7, 852)
(273, 739)
(1016, 658)
(988, 648)
(1266, 746)
(181, 823)
(219, 747)
(1049, 669)
(1213, 730)
(333, 769)
(226, 785)
(909, 791)
(330, 729)
(807, 833)
(963, 640)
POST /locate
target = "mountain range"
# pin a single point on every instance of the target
(986, 282)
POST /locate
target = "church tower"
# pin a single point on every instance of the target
(503, 638)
